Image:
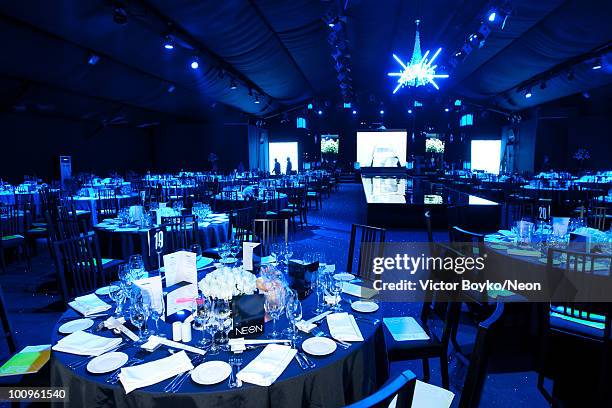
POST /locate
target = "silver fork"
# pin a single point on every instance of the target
(179, 379)
(234, 362)
(114, 377)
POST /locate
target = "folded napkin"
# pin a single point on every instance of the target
(264, 369)
(89, 304)
(358, 291)
(86, 344)
(113, 323)
(405, 328)
(506, 233)
(239, 344)
(155, 341)
(342, 326)
(304, 326)
(143, 375)
(524, 252)
(126, 229)
(204, 224)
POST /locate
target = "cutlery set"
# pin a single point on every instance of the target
(176, 383)
(236, 363)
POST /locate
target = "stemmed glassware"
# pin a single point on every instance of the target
(235, 247)
(197, 249)
(293, 311)
(116, 291)
(158, 308)
(273, 305)
(201, 308)
(137, 266)
(275, 251)
(137, 318)
(147, 310)
(288, 253)
(224, 252)
(222, 312)
(335, 286)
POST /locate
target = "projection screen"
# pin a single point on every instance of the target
(382, 148)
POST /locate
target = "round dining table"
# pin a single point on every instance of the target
(120, 242)
(345, 376)
(90, 203)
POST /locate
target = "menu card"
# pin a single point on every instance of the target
(180, 297)
(180, 267)
(152, 292)
(248, 249)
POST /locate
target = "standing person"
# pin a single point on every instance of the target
(277, 168)
(289, 166)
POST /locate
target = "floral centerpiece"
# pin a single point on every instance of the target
(225, 283)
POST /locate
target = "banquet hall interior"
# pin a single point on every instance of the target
(306, 203)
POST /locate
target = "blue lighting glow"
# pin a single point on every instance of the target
(354, 112)
(195, 64)
(310, 106)
(168, 46)
(301, 123)
(320, 112)
(597, 65)
(466, 120)
(410, 111)
(347, 105)
(528, 94)
(417, 103)
(492, 16)
(457, 102)
(419, 71)
(446, 109)
(382, 112)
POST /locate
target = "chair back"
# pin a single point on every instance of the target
(467, 242)
(181, 231)
(79, 265)
(371, 245)
(106, 204)
(241, 223)
(7, 330)
(11, 220)
(401, 387)
(269, 230)
(597, 218)
(477, 368)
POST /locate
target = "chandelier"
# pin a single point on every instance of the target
(419, 71)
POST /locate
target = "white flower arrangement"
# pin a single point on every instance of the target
(434, 145)
(225, 283)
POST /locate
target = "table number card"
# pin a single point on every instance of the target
(151, 289)
(180, 267)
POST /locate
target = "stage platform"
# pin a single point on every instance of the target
(401, 201)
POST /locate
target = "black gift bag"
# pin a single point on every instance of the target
(301, 277)
(248, 316)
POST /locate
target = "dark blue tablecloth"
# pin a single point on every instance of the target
(339, 379)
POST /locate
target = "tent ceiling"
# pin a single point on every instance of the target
(278, 49)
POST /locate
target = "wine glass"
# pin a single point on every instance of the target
(288, 251)
(146, 309)
(336, 290)
(275, 250)
(123, 273)
(117, 294)
(201, 308)
(293, 311)
(224, 252)
(223, 314)
(319, 287)
(137, 318)
(137, 266)
(158, 308)
(235, 247)
(273, 305)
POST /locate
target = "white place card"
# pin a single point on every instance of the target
(152, 291)
(180, 267)
(247, 254)
(405, 328)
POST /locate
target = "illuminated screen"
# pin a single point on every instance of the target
(486, 155)
(434, 145)
(281, 151)
(382, 148)
(330, 144)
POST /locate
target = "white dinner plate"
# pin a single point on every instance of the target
(107, 362)
(75, 325)
(319, 346)
(211, 372)
(106, 290)
(344, 276)
(364, 306)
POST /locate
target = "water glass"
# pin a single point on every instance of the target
(137, 266)
(158, 308)
(197, 249)
(137, 318)
(224, 252)
(273, 305)
(117, 294)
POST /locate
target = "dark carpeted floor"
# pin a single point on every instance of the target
(33, 315)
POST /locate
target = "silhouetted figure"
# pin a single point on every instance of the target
(277, 168)
(289, 166)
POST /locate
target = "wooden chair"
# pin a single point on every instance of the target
(78, 265)
(181, 231)
(12, 234)
(315, 193)
(402, 388)
(586, 321)
(241, 223)
(598, 218)
(268, 231)
(437, 306)
(106, 204)
(478, 362)
(7, 331)
(296, 206)
(371, 245)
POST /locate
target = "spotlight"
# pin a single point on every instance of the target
(257, 99)
(382, 112)
(446, 109)
(120, 16)
(320, 112)
(354, 112)
(586, 95)
(233, 84)
(310, 106)
(492, 16)
(410, 111)
(171, 88)
(528, 93)
(168, 43)
(596, 63)
(195, 64)
(93, 59)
